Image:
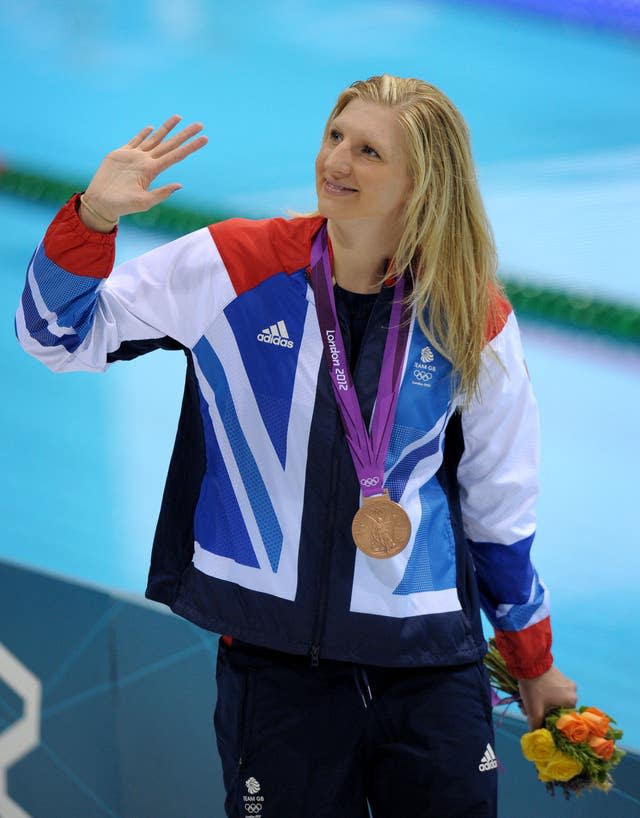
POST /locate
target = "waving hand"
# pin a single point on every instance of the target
(121, 184)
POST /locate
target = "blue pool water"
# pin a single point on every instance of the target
(555, 120)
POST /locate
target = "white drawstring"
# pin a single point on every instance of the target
(366, 680)
(359, 686)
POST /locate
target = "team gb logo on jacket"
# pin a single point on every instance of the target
(424, 369)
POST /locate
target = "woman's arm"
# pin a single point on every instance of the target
(74, 312)
(498, 475)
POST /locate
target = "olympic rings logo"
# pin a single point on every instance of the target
(253, 808)
(368, 482)
(419, 375)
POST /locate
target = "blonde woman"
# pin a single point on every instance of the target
(354, 473)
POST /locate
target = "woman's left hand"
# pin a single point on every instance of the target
(544, 693)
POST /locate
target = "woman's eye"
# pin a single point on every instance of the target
(370, 151)
(334, 135)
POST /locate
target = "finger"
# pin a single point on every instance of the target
(536, 717)
(138, 138)
(178, 139)
(159, 194)
(155, 138)
(181, 153)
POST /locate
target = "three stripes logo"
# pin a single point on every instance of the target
(276, 334)
(488, 760)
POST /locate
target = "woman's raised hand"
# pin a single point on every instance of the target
(121, 183)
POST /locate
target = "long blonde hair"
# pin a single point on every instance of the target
(447, 240)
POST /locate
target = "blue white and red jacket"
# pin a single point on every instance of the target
(254, 533)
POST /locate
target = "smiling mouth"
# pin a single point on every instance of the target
(334, 187)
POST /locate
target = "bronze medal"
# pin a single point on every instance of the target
(381, 527)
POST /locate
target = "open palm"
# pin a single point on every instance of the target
(122, 183)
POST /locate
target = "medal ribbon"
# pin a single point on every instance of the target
(368, 452)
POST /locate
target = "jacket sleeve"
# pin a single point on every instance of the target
(75, 312)
(498, 476)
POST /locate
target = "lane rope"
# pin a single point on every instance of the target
(588, 313)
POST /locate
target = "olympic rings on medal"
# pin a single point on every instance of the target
(369, 482)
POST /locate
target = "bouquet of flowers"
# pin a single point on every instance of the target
(576, 748)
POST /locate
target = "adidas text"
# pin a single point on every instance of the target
(277, 335)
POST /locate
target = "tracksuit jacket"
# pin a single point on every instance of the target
(254, 533)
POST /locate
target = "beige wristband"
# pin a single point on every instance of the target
(96, 214)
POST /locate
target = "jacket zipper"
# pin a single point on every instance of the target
(321, 608)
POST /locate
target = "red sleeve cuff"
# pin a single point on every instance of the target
(527, 653)
(71, 245)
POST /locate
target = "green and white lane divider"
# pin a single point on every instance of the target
(588, 313)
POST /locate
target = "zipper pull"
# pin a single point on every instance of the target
(315, 655)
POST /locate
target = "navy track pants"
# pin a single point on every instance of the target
(327, 742)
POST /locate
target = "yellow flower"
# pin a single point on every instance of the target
(561, 767)
(538, 745)
(542, 772)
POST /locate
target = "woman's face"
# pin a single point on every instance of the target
(361, 169)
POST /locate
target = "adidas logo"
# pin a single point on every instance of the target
(276, 334)
(488, 760)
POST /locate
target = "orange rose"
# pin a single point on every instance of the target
(573, 727)
(602, 747)
(597, 721)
